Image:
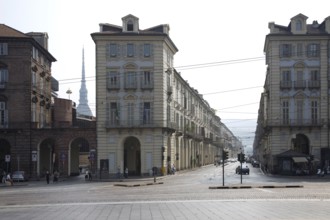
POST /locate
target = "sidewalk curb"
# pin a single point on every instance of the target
(137, 184)
(250, 187)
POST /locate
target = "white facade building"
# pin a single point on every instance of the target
(292, 135)
(147, 114)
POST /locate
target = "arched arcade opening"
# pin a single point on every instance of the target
(132, 156)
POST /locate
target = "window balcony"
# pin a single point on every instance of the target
(300, 84)
(130, 85)
(284, 84)
(292, 122)
(131, 124)
(145, 85)
(314, 84)
(111, 86)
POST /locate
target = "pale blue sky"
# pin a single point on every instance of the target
(205, 32)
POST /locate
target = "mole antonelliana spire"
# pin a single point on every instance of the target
(83, 108)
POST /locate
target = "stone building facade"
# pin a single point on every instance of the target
(38, 131)
(147, 114)
(292, 135)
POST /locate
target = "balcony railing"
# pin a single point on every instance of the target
(300, 84)
(147, 85)
(314, 84)
(111, 86)
(130, 124)
(130, 84)
(285, 84)
(293, 122)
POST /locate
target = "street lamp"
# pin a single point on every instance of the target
(69, 92)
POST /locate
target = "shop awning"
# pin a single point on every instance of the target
(300, 159)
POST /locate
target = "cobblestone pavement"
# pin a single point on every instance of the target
(187, 209)
(183, 196)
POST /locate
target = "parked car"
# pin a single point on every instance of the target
(19, 176)
(244, 170)
(255, 163)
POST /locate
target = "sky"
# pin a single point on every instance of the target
(220, 44)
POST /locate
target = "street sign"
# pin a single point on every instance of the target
(34, 156)
(7, 158)
(92, 155)
(63, 156)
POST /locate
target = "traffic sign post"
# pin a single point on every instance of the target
(92, 157)
(34, 159)
(240, 158)
(7, 160)
(224, 157)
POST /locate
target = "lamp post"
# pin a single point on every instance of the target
(69, 92)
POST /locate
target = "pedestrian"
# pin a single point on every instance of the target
(126, 172)
(47, 177)
(173, 170)
(8, 179)
(3, 177)
(56, 175)
(118, 172)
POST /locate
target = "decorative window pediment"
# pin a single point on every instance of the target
(130, 97)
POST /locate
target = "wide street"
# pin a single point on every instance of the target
(191, 194)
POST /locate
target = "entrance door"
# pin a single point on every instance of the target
(301, 144)
(132, 156)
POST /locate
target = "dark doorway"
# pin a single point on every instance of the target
(301, 144)
(4, 150)
(79, 157)
(47, 157)
(132, 156)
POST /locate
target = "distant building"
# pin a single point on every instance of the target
(292, 135)
(38, 131)
(83, 109)
(147, 114)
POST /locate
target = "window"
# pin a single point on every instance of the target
(130, 26)
(313, 50)
(300, 111)
(3, 115)
(298, 25)
(34, 79)
(314, 81)
(314, 111)
(3, 49)
(300, 82)
(285, 112)
(114, 113)
(130, 82)
(147, 80)
(35, 54)
(285, 50)
(34, 112)
(41, 84)
(130, 50)
(3, 76)
(286, 75)
(146, 113)
(130, 113)
(285, 79)
(42, 117)
(113, 50)
(113, 80)
(146, 50)
(315, 75)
